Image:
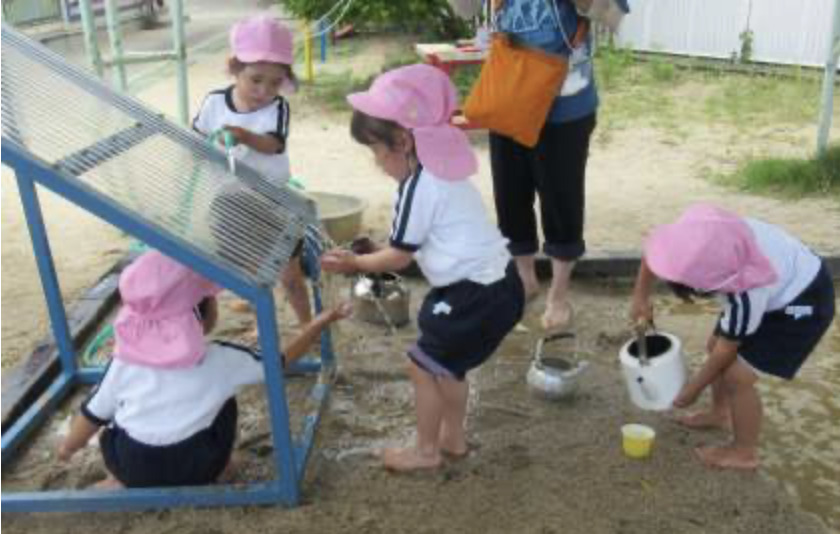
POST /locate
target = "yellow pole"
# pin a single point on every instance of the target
(307, 51)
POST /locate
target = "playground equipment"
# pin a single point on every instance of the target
(120, 58)
(66, 131)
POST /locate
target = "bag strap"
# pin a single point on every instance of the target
(580, 32)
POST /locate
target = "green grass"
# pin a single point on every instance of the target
(790, 177)
(656, 91)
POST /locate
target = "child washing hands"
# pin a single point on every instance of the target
(256, 115)
(777, 301)
(167, 399)
(439, 220)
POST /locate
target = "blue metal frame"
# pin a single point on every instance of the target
(290, 456)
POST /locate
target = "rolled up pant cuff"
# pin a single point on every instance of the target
(565, 251)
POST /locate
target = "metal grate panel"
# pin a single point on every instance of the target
(169, 177)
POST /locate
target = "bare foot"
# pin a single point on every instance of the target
(728, 457)
(109, 483)
(453, 448)
(557, 318)
(532, 291)
(409, 459)
(704, 420)
(228, 474)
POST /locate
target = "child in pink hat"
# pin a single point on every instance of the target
(440, 221)
(778, 301)
(167, 399)
(257, 116)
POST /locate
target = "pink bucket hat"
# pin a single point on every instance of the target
(709, 249)
(157, 325)
(262, 38)
(422, 99)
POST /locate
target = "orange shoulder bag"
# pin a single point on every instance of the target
(516, 87)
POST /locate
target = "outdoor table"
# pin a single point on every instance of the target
(448, 57)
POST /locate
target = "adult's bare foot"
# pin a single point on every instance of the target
(704, 420)
(532, 291)
(409, 459)
(557, 318)
(728, 457)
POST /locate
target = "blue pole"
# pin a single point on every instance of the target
(46, 268)
(275, 384)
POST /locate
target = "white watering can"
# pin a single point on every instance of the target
(653, 369)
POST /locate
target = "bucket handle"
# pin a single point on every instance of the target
(580, 365)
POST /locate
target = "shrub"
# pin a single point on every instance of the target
(426, 17)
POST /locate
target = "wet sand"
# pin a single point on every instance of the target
(534, 465)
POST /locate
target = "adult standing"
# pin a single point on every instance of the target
(555, 168)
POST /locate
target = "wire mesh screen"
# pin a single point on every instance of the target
(112, 145)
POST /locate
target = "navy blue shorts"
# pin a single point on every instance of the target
(462, 324)
(783, 341)
(197, 460)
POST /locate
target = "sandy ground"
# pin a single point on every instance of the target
(537, 466)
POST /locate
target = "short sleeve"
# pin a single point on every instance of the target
(414, 214)
(742, 313)
(283, 114)
(101, 406)
(201, 122)
(237, 365)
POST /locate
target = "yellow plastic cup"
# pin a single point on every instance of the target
(637, 440)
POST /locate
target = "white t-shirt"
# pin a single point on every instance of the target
(164, 406)
(444, 223)
(796, 267)
(218, 110)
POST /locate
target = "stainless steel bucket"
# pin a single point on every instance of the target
(380, 299)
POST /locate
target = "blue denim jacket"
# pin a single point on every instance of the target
(535, 23)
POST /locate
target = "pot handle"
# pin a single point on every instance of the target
(538, 350)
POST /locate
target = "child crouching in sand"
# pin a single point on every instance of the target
(778, 301)
(476, 296)
(167, 399)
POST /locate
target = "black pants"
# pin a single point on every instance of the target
(555, 169)
(197, 460)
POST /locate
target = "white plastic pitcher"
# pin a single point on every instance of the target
(654, 385)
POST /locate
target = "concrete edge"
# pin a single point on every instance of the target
(616, 264)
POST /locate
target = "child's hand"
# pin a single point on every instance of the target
(339, 261)
(342, 311)
(363, 245)
(687, 396)
(641, 311)
(239, 134)
(64, 452)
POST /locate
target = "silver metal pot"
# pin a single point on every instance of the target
(554, 376)
(380, 298)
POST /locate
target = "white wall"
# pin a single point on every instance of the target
(784, 31)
